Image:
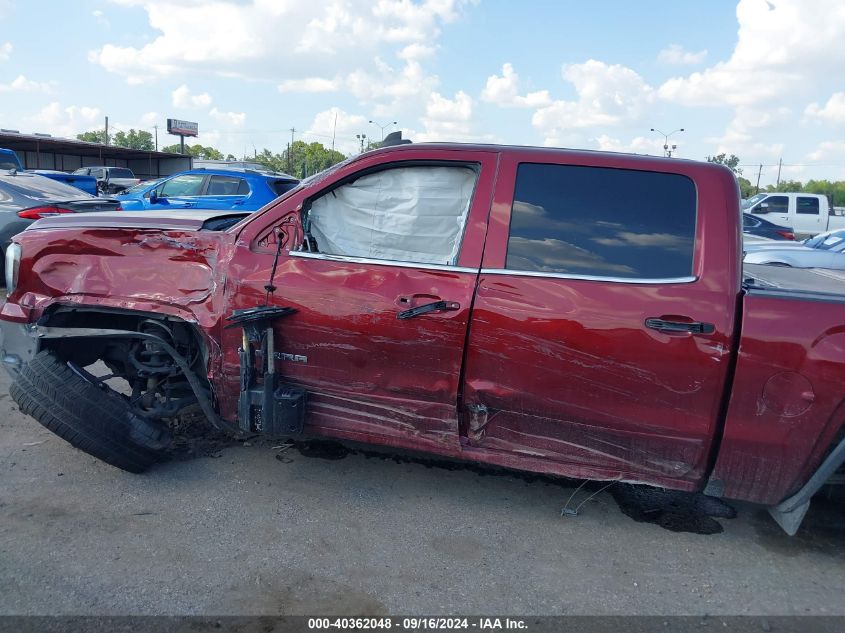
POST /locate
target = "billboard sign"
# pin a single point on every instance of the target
(182, 128)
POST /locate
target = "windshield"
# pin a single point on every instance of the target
(750, 202)
(826, 241)
(142, 186)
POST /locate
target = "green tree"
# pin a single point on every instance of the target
(203, 152)
(731, 162)
(786, 185)
(97, 136)
(134, 139)
(301, 159)
(746, 189)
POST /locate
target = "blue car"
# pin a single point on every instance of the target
(239, 189)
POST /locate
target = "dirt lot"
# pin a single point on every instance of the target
(260, 531)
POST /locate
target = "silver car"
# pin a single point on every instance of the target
(822, 251)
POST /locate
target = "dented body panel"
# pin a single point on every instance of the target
(536, 372)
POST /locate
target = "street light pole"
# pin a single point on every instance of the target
(667, 149)
(362, 138)
(382, 127)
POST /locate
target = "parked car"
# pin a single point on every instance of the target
(806, 213)
(26, 197)
(471, 301)
(88, 184)
(9, 160)
(759, 227)
(110, 180)
(243, 189)
(822, 251)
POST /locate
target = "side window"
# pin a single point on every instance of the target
(748, 222)
(602, 222)
(408, 214)
(777, 204)
(807, 206)
(224, 186)
(187, 185)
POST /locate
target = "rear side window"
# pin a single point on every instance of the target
(807, 206)
(120, 172)
(602, 222)
(282, 186)
(227, 186)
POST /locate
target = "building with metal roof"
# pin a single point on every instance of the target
(42, 151)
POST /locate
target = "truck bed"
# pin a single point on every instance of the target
(804, 283)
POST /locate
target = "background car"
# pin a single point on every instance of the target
(822, 251)
(763, 228)
(110, 180)
(242, 189)
(26, 197)
(88, 184)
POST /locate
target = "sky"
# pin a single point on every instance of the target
(762, 79)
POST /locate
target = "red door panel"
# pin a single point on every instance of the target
(565, 369)
(370, 375)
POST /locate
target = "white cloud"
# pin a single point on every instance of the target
(235, 119)
(781, 46)
(340, 125)
(263, 38)
(182, 98)
(607, 95)
(6, 49)
(66, 121)
(676, 54)
(310, 84)
(745, 133)
(833, 111)
(450, 120)
(22, 84)
(637, 145)
(504, 91)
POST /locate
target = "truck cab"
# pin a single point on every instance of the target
(806, 213)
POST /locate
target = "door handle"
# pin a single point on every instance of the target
(693, 327)
(428, 307)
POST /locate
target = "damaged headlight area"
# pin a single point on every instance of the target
(13, 262)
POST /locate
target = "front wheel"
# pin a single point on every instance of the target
(90, 417)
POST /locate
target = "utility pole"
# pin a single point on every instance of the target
(780, 164)
(290, 151)
(155, 127)
(334, 130)
(107, 130)
(759, 173)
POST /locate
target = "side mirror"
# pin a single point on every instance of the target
(763, 207)
(153, 196)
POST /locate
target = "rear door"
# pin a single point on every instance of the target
(602, 325)
(808, 215)
(224, 192)
(383, 287)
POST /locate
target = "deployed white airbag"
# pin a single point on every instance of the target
(409, 214)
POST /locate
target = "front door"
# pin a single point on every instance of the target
(380, 261)
(602, 326)
(180, 192)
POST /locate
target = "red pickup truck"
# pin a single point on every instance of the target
(576, 313)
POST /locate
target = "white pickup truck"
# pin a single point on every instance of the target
(806, 213)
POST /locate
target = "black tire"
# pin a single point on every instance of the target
(92, 419)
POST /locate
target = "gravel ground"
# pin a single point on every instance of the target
(259, 531)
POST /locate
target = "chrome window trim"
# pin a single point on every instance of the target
(619, 280)
(381, 262)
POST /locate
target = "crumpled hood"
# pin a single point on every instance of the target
(193, 220)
